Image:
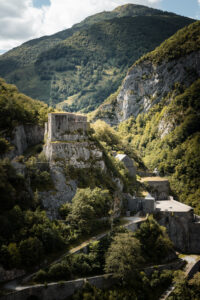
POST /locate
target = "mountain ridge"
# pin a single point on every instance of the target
(84, 78)
(153, 76)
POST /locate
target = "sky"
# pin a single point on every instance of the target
(22, 20)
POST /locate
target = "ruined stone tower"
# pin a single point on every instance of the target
(66, 127)
(67, 139)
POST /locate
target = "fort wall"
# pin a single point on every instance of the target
(66, 126)
(160, 188)
(67, 139)
(61, 290)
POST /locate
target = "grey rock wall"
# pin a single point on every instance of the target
(63, 193)
(146, 84)
(77, 154)
(24, 136)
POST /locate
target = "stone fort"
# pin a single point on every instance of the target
(67, 139)
(62, 126)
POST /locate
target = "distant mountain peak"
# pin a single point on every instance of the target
(78, 68)
(136, 9)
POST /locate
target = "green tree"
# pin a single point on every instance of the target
(88, 205)
(4, 146)
(181, 291)
(155, 243)
(14, 254)
(123, 256)
(31, 251)
(194, 285)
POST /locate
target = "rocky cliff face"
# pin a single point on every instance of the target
(67, 144)
(77, 154)
(63, 191)
(146, 84)
(24, 136)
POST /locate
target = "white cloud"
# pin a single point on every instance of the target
(21, 21)
(63, 14)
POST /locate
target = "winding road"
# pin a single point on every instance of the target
(15, 285)
(191, 261)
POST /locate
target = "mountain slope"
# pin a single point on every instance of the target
(160, 105)
(29, 51)
(86, 63)
(17, 109)
(153, 76)
(32, 188)
(168, 137)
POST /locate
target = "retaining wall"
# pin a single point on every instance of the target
(194, 270)
(60, 125)
(59, 291)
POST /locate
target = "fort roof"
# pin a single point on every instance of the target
(121, 156)
(172, 206)
(153, 178)
(67, 113)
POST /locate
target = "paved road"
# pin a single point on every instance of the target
(191, 261)
(134, 218)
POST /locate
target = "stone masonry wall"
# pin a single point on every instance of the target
(182, 230)
(23, 137)
(160, 189)
(63, 290)
(59, 291)
(62, 125)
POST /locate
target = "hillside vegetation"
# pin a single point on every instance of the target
(175, 153)
(16, 108)
(168, 136)
(29, 51)
(27, 235)
(151, 77)
(83, 65)
(183, 42)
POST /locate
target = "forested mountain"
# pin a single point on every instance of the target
(158, 110)
(59, 196)
(86, 63)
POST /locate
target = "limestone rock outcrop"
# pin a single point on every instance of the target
(63, 191)
(146, 84)
(24, 136)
